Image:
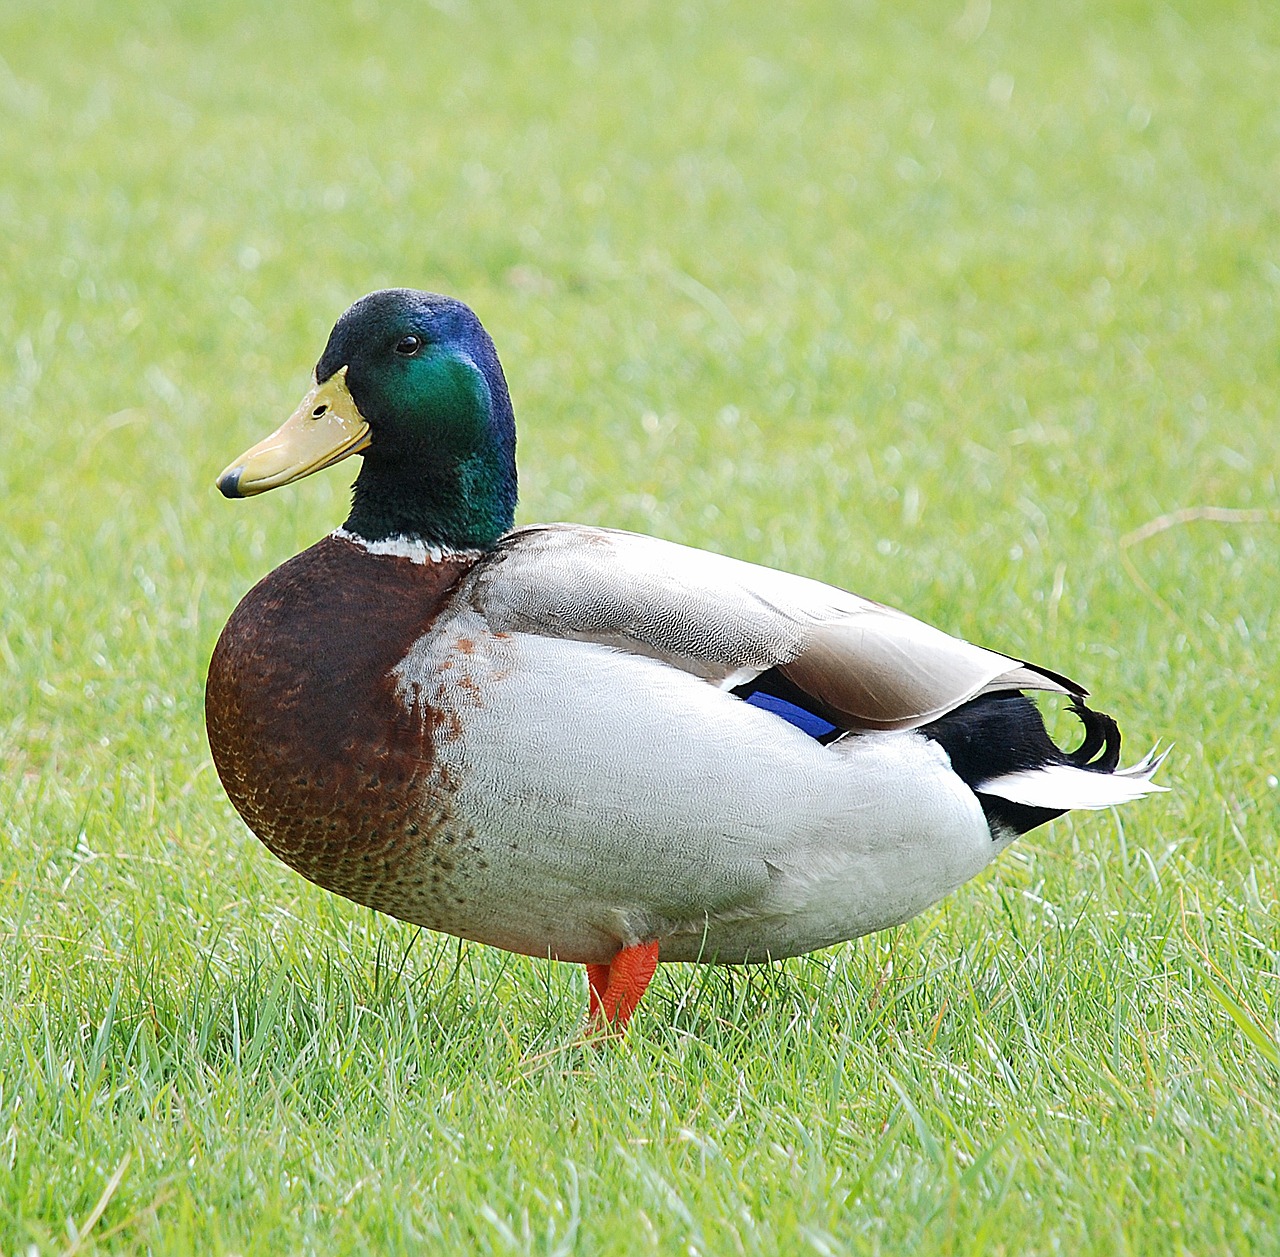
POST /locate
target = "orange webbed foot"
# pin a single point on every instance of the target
(616, 988)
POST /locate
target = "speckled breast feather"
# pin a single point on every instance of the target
(334, 774)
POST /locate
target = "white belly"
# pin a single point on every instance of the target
(612, 799)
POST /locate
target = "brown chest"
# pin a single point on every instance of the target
(317, 751)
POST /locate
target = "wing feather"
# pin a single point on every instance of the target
(864, 665)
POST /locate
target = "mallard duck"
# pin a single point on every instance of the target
(591, 745)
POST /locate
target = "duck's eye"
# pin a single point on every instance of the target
(407, 346)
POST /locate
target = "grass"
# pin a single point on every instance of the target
(941, 302)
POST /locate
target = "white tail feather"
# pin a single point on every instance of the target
(1147, 765)
(1064, 786)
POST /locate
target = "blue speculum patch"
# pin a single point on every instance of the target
(803, 720)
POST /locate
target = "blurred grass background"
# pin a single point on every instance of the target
(939, 301)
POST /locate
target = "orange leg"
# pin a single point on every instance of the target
(616, 988)
(597, 984)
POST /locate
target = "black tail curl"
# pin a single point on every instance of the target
(1000, 733)
(1100, 750)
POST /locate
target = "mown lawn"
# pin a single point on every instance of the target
(943, 302)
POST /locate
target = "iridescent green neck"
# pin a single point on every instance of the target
(441, 468)
(460, 506)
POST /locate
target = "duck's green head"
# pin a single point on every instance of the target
(410, 381)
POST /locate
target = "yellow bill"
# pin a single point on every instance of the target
(326, 427)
